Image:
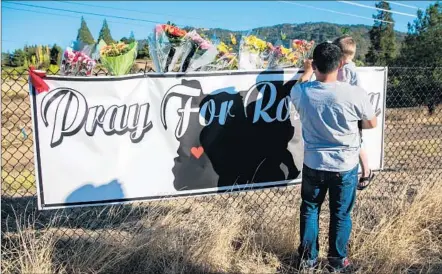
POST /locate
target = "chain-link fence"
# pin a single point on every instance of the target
(413, 132)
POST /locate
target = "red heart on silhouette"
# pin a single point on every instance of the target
(197, 151)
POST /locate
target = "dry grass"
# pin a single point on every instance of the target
(397, 221)
(173, 238)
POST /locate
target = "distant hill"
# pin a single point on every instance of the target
(319, 32)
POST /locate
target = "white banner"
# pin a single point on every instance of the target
(103, 140)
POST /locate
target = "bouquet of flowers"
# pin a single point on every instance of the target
(118, 58)
(76, 63)
(198, 52)
(83, 47)
(252, 53)
(97, 49)
(281, 57)
(303, 48)
(225, 59)
(166, 46)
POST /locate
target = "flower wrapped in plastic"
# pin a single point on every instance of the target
(253, 52)
(166, 47)
(118, 58)
(198, 52)
(282, 57)
(83, 47)
(76, 63)
(97, 49)
(303, 48)
(226, 59)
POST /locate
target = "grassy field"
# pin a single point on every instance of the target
(397, 221)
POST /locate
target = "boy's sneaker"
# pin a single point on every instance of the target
(340, 266)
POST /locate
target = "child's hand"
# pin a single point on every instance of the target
(308, 67)
(308, 71)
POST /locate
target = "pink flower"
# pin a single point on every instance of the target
(158, 29)
(205, 45)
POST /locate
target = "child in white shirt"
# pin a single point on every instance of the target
(348, 74)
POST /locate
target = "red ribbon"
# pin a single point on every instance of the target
(37, 80)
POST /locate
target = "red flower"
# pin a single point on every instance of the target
(175, 31)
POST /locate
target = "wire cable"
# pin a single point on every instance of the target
(376, 8)
(138, 11)
(403, 5)
(337, 12)
(88, 13)
(66, 15)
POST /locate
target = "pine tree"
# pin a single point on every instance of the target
(132, 36)
(6, 58)
(383, 40)
(424, 36)
(55, 54)
(143, 52)
(84, 34)
(105, 34)
(422, 48)
(18, 58)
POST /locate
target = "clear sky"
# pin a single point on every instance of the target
(22, 22)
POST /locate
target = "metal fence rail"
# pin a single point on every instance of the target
(413, 153)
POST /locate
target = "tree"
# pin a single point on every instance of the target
(421, 48)
(128, 40)
(18, 58)
(56, 54)
(105, 34)
(132, 36)
(84, 34)
(382, 37)
(143, 52)
(424, 36)
(25, 62)
(6, 59)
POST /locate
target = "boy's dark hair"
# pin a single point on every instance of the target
(347, 45)
(327, 57)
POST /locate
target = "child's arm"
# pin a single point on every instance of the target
(308, 71)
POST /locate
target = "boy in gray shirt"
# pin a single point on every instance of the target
(329, 111)
(348, 74)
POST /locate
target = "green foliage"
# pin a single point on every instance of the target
(56, 55)
(53, 68)
(105, 34)
(382, 36)
(6, 59)
(18, 58)
(84, 34)
(421, 48)
(424, 40)
(129, 40)
(345, 31)
(359, 63)
(143, 50)
(319, 32)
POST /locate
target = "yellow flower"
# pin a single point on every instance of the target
(223, 48)
(233, 39)
(255, 44)
(285, 51)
